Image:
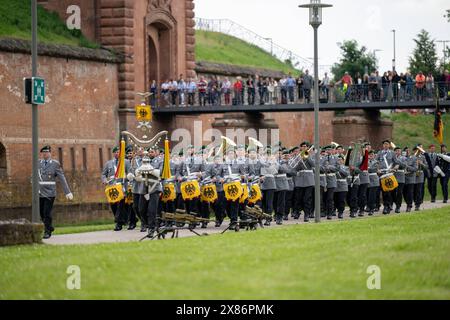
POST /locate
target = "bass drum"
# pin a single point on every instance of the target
(388, 182)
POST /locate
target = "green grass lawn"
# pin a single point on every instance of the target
(221, 48)
(409, 130)
(315, 261)
(15, 22)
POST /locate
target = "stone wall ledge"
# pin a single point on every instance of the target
(21, 231)
(203, 67)
(60, 51)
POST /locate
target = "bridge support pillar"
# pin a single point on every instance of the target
(354, 125)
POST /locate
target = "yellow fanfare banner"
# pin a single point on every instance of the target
(233, 190)
(209, 193)
(120, 172)
(169, 193)
(388, 182)
(190, 190)
(244, 193)
(129, 196)
(255, 194)
(143, 113)
(114, 193)
(166, 174)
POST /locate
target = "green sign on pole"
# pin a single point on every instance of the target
(38, 90)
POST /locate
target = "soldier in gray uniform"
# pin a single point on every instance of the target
(213, 170)
(139, 202)
(399, 166)
(352, 194)
(386, 159)
(291, 173)
(420, 179)
(341, 186)
(191, 165)
(231, 167)
(432, 160)
(281, 181)
(444, 164)
(374, 179)
(108, 177)
(364, 182)
(328, 182)
(304, 185)
(269, 169)
(410, 179)
(49, 171)
(242, 160)
(129, 207)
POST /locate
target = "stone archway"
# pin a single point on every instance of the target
(161, 45)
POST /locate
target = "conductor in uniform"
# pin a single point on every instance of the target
(49, 171)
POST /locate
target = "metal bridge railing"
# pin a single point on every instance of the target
(263, 95)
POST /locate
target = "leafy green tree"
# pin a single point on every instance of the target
(354, 59)
(424, 57)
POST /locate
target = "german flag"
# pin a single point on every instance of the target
(438, 130)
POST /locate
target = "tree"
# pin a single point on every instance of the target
(354, 59)
(424, 57)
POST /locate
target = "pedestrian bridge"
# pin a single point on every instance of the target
(336, 106)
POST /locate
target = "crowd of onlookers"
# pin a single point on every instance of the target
(252, 90)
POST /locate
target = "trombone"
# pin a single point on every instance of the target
(419, 152)
(300, 157)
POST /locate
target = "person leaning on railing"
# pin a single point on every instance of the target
(420, 84)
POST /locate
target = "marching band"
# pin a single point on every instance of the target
(278, 180)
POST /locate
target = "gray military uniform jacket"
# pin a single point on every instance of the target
(328, 172)
(400, 172)
(110, 169)
(341, 178)
(194, 164)
(47, 178)
(305, 174)
(374, 179)
(420, 173)
(269, 171)
(411, 170)
(281, 179)
(433, 158)
(138, 187)
(213, 170)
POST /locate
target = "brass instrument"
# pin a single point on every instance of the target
(419, 152)
(300, 157)
(393, 146)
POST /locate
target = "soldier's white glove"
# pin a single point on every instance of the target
(69, 196)
(130, 176)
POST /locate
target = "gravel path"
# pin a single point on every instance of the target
(136, 235)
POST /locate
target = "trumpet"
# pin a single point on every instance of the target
(393, 146)
(419, 151)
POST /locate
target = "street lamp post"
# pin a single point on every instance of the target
(444, 42)
(315, 20)
(394, 60)
(34, 120)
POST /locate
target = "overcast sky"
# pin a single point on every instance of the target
(368, 22)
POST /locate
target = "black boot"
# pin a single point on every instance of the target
(47, 234)
(285, 218)
(352, 214)
(361, 213)
(397, 209)
(340, 215)
(329, 217)
(118, 227)
(408, 209)
(204, 225)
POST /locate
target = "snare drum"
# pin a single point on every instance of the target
(114, 193)
(209, 193)
(388, 182)
(233, 189)
(244, 193)
(255, 194)
(168, 193)
(190, 189)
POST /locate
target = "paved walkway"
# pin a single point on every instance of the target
(136, 235)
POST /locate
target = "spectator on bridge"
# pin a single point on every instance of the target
(373, 87)
(182, 91)
(283, 90)
(359, 87)
(326, 86)
(173, 88)
(385, 84)
(346, 82)
(165, 91)
(262, 90)
(409, 86)
(429, 84)
(308, 83)
(402, 82)
(300, 91)
(154, 92)
(251, 90)
(191, 89)
(219, 91)
(365, 88)
(202, 87)
(238, 88)
(447, 84)
(395, 81)
(440, 79)
(271, 91)
(226, 90)
(290, 84)
(212, 91)
(420, 85)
